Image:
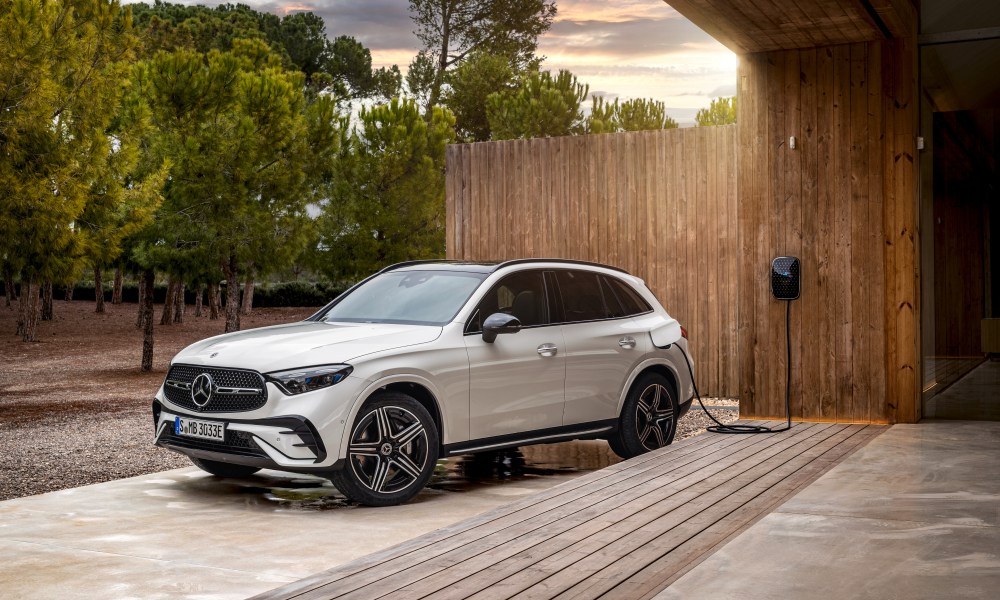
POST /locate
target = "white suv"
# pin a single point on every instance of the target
(430, 359)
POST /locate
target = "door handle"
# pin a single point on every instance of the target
(547, 350)
(627, 342)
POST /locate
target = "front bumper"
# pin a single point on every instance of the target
(286, 443)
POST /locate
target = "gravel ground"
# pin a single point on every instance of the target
(74, 408)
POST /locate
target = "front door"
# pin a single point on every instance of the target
(517, 381)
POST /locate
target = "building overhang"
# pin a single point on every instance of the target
(747, 26)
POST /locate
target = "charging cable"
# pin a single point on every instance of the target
(721, 427)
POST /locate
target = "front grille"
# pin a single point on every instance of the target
(237, 442)
(183, 375)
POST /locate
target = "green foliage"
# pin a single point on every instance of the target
(62, 80)
(722, 111)
(469, 85)
(247, 154)
(387, 202)
(632, 115)
(451, 30)
(342, 66)
(542, 106)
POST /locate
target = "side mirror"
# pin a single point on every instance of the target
(498, 323)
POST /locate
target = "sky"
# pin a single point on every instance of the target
(621, 48)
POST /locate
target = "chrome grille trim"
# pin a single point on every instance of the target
(235, 390)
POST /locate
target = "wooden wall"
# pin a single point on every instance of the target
(660, 204)
(844, 202)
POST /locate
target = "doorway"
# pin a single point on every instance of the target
(960, 209)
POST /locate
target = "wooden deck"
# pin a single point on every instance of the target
(624, 532)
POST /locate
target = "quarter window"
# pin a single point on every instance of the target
(631, 301)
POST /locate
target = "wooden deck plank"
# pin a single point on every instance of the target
(662, 556)
(627, 530)
(616, 514)
(520, 509)
(419, 566)
(600, 571)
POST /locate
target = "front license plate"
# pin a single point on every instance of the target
(206, 430)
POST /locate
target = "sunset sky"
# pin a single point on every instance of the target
(623, 48)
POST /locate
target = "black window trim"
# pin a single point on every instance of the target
(558, 291)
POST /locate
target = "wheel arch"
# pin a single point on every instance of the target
(660, 367)
(416, 387)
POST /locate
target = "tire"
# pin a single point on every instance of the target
(392, 452)
(221, 469)
(649, 417)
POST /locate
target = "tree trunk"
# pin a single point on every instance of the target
(22, 309)
(142, 299)
(167, 316)
(31, 313)
(98, 289)
(8, 285)
(69, 291)
(199, 293)
(146, 317)
(179, 303)
(116, 295)
(214, 301)
(47, 301)
(232, 296)
(248, 296)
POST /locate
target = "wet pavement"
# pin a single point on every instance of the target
(184, 533)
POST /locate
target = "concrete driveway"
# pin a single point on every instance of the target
(184, 533)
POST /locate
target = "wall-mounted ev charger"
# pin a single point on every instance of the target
(785, 286)
(785, 278)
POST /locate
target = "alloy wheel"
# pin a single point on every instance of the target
(654, 416)
(388, 451)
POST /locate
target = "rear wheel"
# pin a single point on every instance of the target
(221, 469)
(649, 417)
(392, 451)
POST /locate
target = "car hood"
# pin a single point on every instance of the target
(303, 344)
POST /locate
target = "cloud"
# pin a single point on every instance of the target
(630, 40)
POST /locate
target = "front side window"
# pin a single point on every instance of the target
(521, 294)
(407, 297)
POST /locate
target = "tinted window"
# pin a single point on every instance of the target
(521, 294)
(417, 297)
(631, 301)
(582, 298)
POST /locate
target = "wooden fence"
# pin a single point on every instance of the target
(660, 204)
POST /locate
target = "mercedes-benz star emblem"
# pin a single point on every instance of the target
(201, 389)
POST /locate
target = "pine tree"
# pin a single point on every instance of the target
(387, 202)
(61, 90)
(722, 111)
(543, 106)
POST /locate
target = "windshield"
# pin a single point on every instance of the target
(410, 297)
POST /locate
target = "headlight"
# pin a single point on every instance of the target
(300, 381)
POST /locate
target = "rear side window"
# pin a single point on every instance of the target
(582, 296)
(632, 303)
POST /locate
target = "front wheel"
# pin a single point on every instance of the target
(649, 417)
(392, 452)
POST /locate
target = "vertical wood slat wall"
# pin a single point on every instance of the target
(843, 201)
(660, 204)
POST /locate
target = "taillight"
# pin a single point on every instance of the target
(684, 332)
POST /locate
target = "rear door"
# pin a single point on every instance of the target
(603, 344)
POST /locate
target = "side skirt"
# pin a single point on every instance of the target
(579, 431)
